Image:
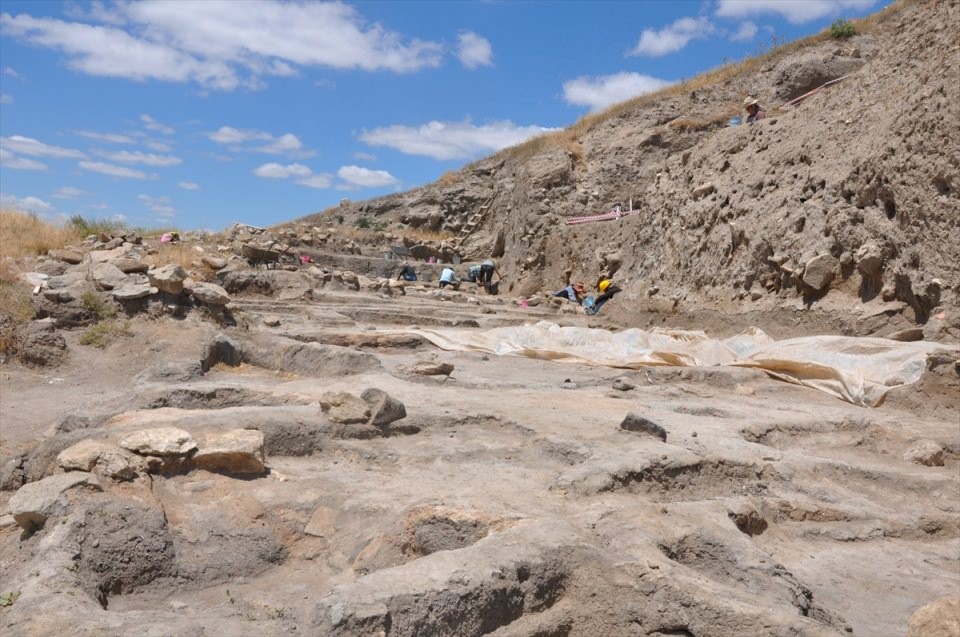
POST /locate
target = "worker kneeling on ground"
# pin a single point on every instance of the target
(607, 289)
(449, 277)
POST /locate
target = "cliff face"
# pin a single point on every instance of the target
(850, 196)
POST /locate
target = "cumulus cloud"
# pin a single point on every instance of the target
(67, 192)
(795, 11)
(673, 37)
(11, 160)
(366, 178)
(25, 204)
(114, 171)
(474, 50)
(189, 185)
(35, 148)
(451, 140)
(599, 92)
(12, 72)
(249, 141)
(316, 181)
(744, 32)
(279, 171)
(6, 98)
(136, 157)
(219, 47)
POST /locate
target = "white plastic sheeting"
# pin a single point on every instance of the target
(858, 370)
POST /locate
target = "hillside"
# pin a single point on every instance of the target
(848, 197)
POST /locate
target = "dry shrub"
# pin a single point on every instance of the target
(425, 234)
(449, 178)
(16, 306)
(23, 235)
(178, 253)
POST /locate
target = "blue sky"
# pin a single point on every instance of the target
(195, 114)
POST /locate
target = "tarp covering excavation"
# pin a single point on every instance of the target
(858, 370)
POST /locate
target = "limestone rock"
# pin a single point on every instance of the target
(638, 424)
(41, 345)
(870, 261)
(98, 457)
(168, 278)
(33, 503)
(622, 384)
(108, 276)
(132, 291)
(128, 265)
(819, 271)
(384, 409)
(345, 408)
(210, 293)
(432, 368)
(238, 451)
(703, 190)
(72, 257)
(925, 452)
(215, 263)
(939, 618)
(162, 441)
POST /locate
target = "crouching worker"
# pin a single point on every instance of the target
(407, 273)
(607, 289)
(487, 269)
(449, 277)
(573, 292)
(473, 274)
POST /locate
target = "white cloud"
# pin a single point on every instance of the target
(474, 50)
(744, 32)
(673, 37)
(25, 204)
(286, 144)
(30, 146)
(6, 98)
(158, 205)
(136, 157)
(160, 147)
(795, 11)
(451, 140)
(12, 72)
(316, 181)
(362, 156)
(189, 185)
(10, 160)
(113, 171)
(366, 178)
(217, 46)
(67, 192)
(279, 171)
(112, 138)
(151, 124)
(599, 92)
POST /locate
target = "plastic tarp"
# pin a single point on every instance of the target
(858, 370)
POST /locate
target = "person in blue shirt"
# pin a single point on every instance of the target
(407, 273)
(449, 277)
(573, 292)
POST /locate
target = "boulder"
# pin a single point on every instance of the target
(99, 457)
(73, 257)
(108, 276)
(128, 265)
(214, 263)
(384, 409)
(432, 368)
(939, 618)
(819, 271)
(345, 408)
(322, 523)
(238, 451)
(132, 291)
(870, 261)
(925, 452)
(168, 278)
(34, 502)
(41, 345)
(638, 424)
(210, 293)
(162, 441)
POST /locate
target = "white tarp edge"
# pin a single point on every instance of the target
(858, 370)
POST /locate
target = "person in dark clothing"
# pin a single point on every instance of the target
(607, 289)
(407, 273)
(487, 269)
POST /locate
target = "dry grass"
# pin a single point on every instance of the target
(179, 253)
(24, 235)
(570, 137)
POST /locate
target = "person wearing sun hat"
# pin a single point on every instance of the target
(754, 111)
